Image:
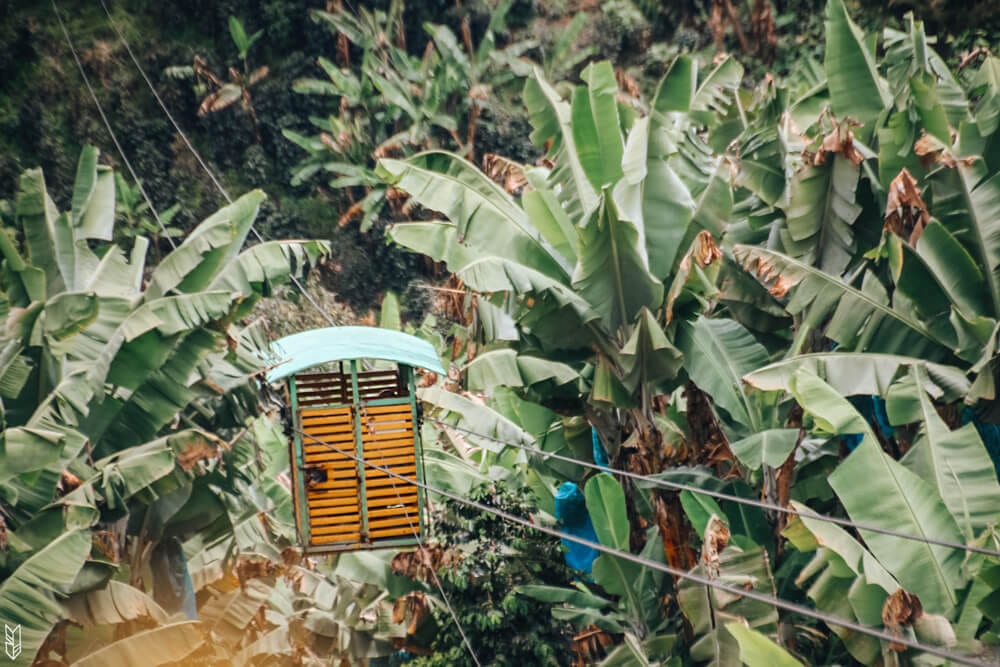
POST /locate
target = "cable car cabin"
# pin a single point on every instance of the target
(340, 409)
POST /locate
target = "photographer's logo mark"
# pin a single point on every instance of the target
(12, 641)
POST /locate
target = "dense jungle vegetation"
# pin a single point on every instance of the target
(705, 275)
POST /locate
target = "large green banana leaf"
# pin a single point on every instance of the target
(93, 205)
(717, 354)
(551, 119)
(856, 373)
(704, 606)
(857, 90)
(756, 650)
(506, 368)
(909, 54)
(967, 202)
(879, 491)
(648, 356)
(257, 269)
(956, 463)
(842, 579)
(606, 505)
(612, 272)
(821, 211)
(485, 217)
(596, 126)
(116, 603)
(207, 250)
(859, 320)
(38, 214)
(28, 596)
(161, 645)
(558, 306)
(655, 199)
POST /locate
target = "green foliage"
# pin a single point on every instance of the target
(241, 40)
(393, 102)
(712, 280)
(494, 558)
(618, 263)
(119, 389)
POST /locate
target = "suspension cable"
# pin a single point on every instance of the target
(107, 124)
(187, 142)
(773, 600)
(417, 538)
(719, 495)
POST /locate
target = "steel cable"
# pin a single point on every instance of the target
(738, 591)
(719, 495)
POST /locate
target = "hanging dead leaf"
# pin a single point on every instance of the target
(901, 610)
(4, 540)
(106, 542)
(258, 74)
(388, 149)
(711, 446)
(716, 26)
(628, 88)
(354, 211)
(479, 92)
(675, 531)
(590, 646)
(248, 568)
(840, 140)
(68, 482)
(201, 70)
(716, 539)
(427, 379)
(762, 31)
(969, 57)
(411, 606)
(767, 273)
(905, 211)
(198, 448)
(291, 556)
(505, 172)
(224, 97)
(420, 563)
(932, 150)
(704, 252)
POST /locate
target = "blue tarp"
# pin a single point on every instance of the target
(872, 408)
(571, 511)
(599, 454)
(990, 433)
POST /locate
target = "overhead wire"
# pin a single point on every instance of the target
(719, 495)
(538, 452)
(187, 142)
(420, 543)
(773, 600)
(302, 289)
(107, 124)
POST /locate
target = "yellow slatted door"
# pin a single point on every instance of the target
(387, 436)
(332, 485)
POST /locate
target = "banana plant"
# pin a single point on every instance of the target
(109, 373)
(588, 263)
(395, 102)
(944, 486)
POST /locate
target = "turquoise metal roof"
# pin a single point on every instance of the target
(301, 351)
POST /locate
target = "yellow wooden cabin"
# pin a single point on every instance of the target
(344, 416)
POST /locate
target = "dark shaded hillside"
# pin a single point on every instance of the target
(46, 114)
